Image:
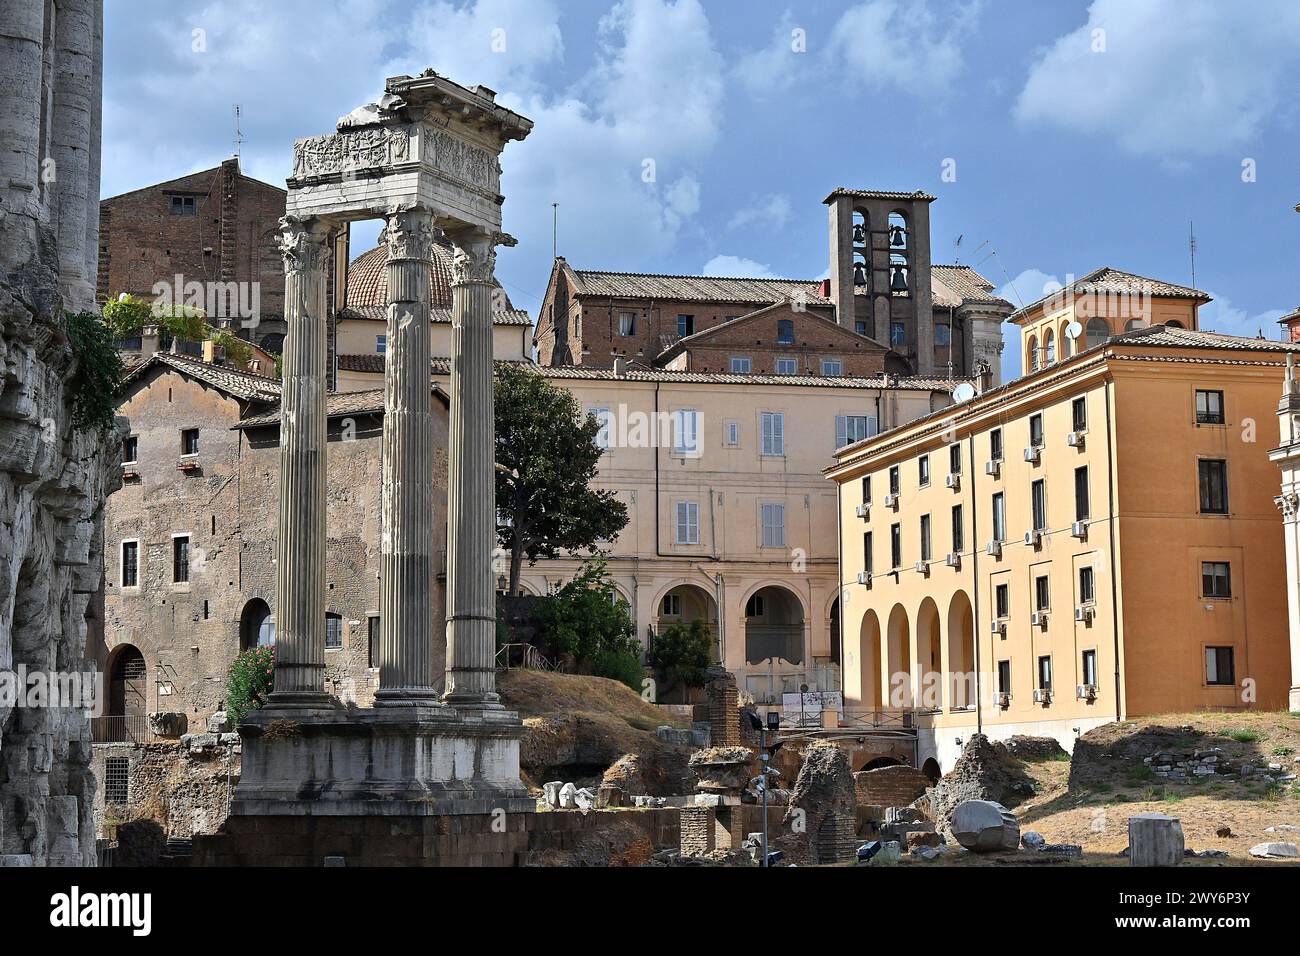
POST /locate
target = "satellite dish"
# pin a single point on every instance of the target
(963, 392)
(1073, 331)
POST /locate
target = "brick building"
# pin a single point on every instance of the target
(216, 227)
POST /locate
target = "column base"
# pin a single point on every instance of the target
(301, 700)
(407, 697)
(474, 702)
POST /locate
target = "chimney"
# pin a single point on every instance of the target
(213, 353)
(620, 367)
(824, 288)
(984, 374)
(148, 340)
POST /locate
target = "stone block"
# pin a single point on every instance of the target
(1155, 839)
(1032, 840)
(1276, 851)
(551, 793)
(567, 794)
(984, 826)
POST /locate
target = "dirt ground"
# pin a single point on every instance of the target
(1088, 799)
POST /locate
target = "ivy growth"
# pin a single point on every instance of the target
(92, 389)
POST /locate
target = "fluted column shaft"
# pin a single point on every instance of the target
(471, 481)
(300, 541)
(73, 118)
(406, 666)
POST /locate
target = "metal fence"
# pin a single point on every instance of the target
(128, 729)
(767, 682)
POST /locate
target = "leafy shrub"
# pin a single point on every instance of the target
(624, 666)
(587, 621)
(238, 352)
(682, 652)
(92, 390)
(252, 676)
(1243, 736)
(127, 316)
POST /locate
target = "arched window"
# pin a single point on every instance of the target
(1032, 363)
(1049, 347)
(1098, 331)
(899, 239)
(256, 626)
(1133, 324)
(1174, 324)
(1067, 347)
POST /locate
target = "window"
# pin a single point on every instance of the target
(1082, 507)
(942, 338)
(866, 489)
(1089, 673)
(1042, 593)
(627, 323)
(1033, 353)
(954, 459)
(897, 335)
(672, 606)
(893, 479)
(731, 433)
(180, 559)
(773, 525)
(851, 428)
(182, 206)
(754, 607)
(832, 367)
(995, 444)
(895, 546)
(604, 435)
(958, 531)
(740, 366)
(1087, 591)
(1219, 666)
(925, 537)
(1216, 579)
(333, 631)
(1044, 673)
(923, 470)
(787, 366)
(1096, 332)
(1214, 486)
(685, 325)
(785, 332)
(1004, 677)
(1079, 414)
(1038, 491)
(130, 564)
(381, 344)
(1049, 348)
(117, 776)
(688, 522)
(189, 441)
(1002, 600)
(868, 555)
(999, 518)
(1209, 407)
(130, 448)
(860, 327)
(1036, 431)
(372, 641)
(686, 435)
(773, 433)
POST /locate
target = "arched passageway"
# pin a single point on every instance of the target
(898, 667)
(774, 626)
(961, 652)
(929, 657)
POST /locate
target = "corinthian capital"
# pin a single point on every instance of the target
(304, 244)
(475, 256)
(408, 233)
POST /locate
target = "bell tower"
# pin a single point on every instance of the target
(880, 270)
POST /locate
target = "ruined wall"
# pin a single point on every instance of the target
(183, 786)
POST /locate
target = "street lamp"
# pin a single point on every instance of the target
(773, 724)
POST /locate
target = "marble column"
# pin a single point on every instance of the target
(471, 479)
(23, 118)
(73, 118)
(407, 578)
(300, 542)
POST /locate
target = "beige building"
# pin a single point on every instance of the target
(1093, 541)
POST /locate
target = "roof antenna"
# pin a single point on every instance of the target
(1191, 249)
(956, 250)
(555, 230)
(239, 135)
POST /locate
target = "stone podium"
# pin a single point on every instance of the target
(424, 158)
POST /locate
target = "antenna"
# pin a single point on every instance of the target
(555, 230)
(239, 135)
(956, 250)
(1191, 249)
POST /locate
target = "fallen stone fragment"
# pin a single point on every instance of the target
(1275, 851)
(985, 826)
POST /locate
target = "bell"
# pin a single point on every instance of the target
(898, 283)
(859, 234)
(898, 239)
(859, 275)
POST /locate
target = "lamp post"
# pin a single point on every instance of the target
(773, 724)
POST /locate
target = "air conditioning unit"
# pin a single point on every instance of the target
(1038, 619)
(891, 501)
(1042, 696)
(953, 481)
(992, 467)
(1004, 701)
(1032, 453)
(923, 568)
(1074, 439)
(1083, 613)
(864, 510)
(864, 578)
(996, 627)
(1079, 529)
(953, 560)
(994, 548)
(1086, 691)
(1033, 539)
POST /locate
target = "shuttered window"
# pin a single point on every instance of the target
(774, 525)
(688, 522)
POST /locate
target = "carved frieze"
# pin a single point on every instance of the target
(357, 149)
(469, 166)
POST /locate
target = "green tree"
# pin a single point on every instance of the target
(588, 621)
(682, 653)
(92, 389)
(252, 676)
(548, 457)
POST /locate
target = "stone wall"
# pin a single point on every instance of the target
(890, 786)
(184, 787)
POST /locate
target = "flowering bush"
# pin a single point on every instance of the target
(252, 677)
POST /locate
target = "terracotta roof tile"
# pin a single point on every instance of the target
(879, 194)
(241, 384)
(1110, 280)
(644, 285)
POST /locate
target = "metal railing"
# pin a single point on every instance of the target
(524, 656)
(128, 729)
(897, 719)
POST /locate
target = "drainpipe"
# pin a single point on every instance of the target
(1114, 518)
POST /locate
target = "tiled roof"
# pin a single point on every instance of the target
(243, 385)
(879, 194)
(1290, 317)
(339, 404)
(379, 313)
(1111, 280)
(368, 278)
(962, 284)
(643, 285)
(805, 325)
(1164, 335)
(375, 363)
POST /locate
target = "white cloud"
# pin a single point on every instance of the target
(893, 44)
(1222, 316)
(737, 267)
(771, 212)
(778, 65)
(1175, 76)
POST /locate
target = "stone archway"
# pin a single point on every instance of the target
(929, 656)
(774, 626)
(128, 689)
(898, 668)
(869, 654)
(961, 682)
(256, 625)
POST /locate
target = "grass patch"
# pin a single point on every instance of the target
(1278, 751)
(1243, 736)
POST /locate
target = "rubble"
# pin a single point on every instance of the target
(985, 826)
(985, 771)
(1275, 851)
(823, 803)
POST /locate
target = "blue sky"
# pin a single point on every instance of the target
(1080, 134)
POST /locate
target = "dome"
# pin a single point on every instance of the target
(368, 278)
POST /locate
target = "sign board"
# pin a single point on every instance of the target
(805, 710)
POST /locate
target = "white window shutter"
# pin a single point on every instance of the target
(841, 431)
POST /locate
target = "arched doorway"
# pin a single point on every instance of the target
(899, 667)
(128, 690)
(931, 769)
(774, 626)
(929, 657)
(256, 626)
(1097, 331)
(685, 603)
(961, 652)
(871, 693)
(834, 628)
